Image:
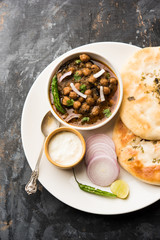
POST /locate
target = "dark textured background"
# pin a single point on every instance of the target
(32, 34)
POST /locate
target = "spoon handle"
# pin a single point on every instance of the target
(31, 186)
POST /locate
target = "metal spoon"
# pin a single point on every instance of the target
(49, 123)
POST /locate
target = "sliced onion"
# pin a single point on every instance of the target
(100, 138)
(76, 91)
(102, 94)
(102, 171)
(100, 65)
(98, 74)
(64, 76)
(97, 149)
(71, 116)
(51, 98)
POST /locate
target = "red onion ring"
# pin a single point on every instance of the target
(100, 138)
(71, 116)
(96, 148)
(64, 76)
(102, 171)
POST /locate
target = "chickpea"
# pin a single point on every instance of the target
(113, 80)
(86, 71)
(91, 79)
(88, 65)
(104, 82)
(59, 75)
(95, 110)
(72, 69)
(81, 99)
(64, 100)
(68, 84)
(90, 101)
(82, 65)
(113, 87)
(76, 111)
(111, 102)
(76, 104)
(95, 68)
(84, 108)
(79, 72)
(84, 57)
(66, 90)
(98, 101)
(95, 96)
(77, 85)
(88, 92)
(106, 90)
(73, 95)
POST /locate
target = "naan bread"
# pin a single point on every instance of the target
(139, 157)
(140, 110)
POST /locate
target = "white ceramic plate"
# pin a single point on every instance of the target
(61, 183)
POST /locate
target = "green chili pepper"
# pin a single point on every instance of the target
(56, 95)
(93, 190)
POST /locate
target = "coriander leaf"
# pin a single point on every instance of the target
(77, 77)
(107, 75)
(78, 61)
(70, 102)
(107, 112)
(83, 88)
(85, 119)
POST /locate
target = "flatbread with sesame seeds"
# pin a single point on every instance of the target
(139, 157)
(140, 109)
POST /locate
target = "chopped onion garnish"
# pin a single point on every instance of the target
(51, 97)
(102, 94)
(98, 74)
(76, 91)
(100, 65)
(64, 76)
(71, 116)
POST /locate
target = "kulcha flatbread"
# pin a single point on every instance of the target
(140, 110)
(139, 157)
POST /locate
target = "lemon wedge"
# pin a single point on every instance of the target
(120, 188)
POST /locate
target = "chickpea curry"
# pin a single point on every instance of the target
(84, 91)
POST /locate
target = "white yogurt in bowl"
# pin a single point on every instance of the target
(65, 147)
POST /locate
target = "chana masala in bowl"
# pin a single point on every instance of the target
(84, 91)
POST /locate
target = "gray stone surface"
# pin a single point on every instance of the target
(32, 34)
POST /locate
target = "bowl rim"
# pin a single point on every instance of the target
(64, 129)
(111, 66)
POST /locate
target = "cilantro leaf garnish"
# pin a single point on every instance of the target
(78, 61)
(77, 77)
(107, 75)
(70, 102)
(83, 88)
(107, 112)
(85, 119)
